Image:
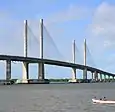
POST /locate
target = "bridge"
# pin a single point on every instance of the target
(41, 61)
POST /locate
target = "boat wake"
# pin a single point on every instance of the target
(103, 101)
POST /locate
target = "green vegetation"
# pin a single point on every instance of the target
(12, 81)
(81, 80)
(58, 80)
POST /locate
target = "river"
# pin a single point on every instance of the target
(56, 97)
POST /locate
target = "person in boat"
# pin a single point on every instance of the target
(95, 97)
(104, 99)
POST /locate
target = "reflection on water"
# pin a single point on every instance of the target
(55, 98)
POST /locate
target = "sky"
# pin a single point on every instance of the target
(64, 21)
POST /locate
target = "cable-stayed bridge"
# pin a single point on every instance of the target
(52, 58)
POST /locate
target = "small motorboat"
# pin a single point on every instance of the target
(103, 101)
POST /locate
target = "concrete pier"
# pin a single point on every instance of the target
(41, 71)
(109, 77)
(85, 74)
(25, 76)
(74, 73)
(104, 77)
(8, 69)
(96, 76)
(74, 79)
(100, 77)
(92, 75)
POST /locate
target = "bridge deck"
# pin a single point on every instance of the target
(52, 62)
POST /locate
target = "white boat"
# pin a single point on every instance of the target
(103, 101)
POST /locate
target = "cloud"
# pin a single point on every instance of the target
(72, 12)
(12, 36)
(56, 22)
(102, 33)
(103, 25)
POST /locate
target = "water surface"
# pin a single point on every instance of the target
(55, 98)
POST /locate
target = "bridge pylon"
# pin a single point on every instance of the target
(25, 76)
(85, 70)
(73, 80)
(41, 65)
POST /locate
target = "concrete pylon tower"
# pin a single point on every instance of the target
(41, 65)
(73, 80)
(25, 64)
(74, 59)
(25, 38)
(41, 38)
(85, 70)
(85, 52)
(73, 51)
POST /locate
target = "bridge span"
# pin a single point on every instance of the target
(9, 58)
(41, 61)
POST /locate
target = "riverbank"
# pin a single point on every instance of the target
(50, 81)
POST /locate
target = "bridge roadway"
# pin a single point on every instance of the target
(53, 62)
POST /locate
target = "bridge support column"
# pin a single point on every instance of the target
(25, 76)
(109, 78)
(100, 77)
(41, 75)
(104, 78)
(113, 77)
(92, 76)
(96, 76)
(73, 80)
(41, 71)
(74, 73)
(85, 74)
(8, 69)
